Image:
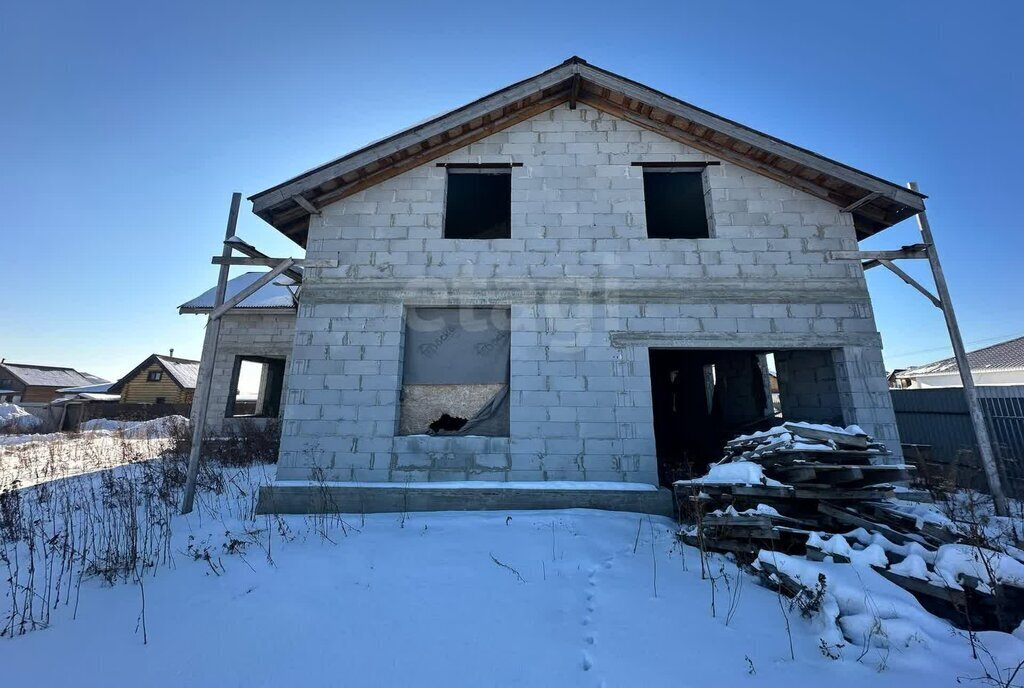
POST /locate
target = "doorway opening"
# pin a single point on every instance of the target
(702, 398)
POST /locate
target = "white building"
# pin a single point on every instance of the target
(999, 364)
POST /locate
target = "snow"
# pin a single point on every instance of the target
(913, 565)
(138, 429)
(990, 567)
(806, 446)
(88, 396)
(37, 458)
(735, 473)
(15, 418)
(87, 389)
(782, 430)
(872, 555)
(522, 598)
(184, 371)
(278, 294)
(869, 610)
(426, 599)
(849, 430)
(837, 545)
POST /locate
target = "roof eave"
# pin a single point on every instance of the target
(275, 310)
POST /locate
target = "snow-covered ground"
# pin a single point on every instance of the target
(32, 459)
(552, 598)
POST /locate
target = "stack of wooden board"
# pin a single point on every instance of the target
(828, 493)
(798, 465)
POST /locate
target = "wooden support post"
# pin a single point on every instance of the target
(905, 253)
(272, 262)
(988, 460)
(251, 251)
(201, 397)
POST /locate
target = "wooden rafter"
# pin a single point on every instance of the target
(251, 251)
(301, 201)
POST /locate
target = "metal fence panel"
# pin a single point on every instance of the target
(939, 418)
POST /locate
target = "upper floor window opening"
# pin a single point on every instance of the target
(478, 202)
(674, 201)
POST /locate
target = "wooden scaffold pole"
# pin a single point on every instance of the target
(988, 459)
(201, 398)
(941, 300)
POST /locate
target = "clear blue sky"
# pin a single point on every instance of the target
(125, 126)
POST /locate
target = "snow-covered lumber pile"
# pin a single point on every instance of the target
(798, 477)
(801, 461)
(829, 494)
(817, 455)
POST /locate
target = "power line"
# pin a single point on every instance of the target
(949, 346)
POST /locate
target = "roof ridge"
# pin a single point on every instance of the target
(176, 359)
(975, 354)
(43, 367)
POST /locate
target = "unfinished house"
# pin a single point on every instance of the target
(576, 278)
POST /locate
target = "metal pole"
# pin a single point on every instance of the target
(988, 459)
(201, 400)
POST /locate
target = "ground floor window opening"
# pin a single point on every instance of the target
(455, 372)
(257, 382)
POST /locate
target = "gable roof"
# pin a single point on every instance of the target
(1004, 356)
(277, 294)
(183, 371)
(874, 202)
(50, 376)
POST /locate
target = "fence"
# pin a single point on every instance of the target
(939, 418)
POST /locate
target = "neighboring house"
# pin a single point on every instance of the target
(27, 384)
(158, 380)
(576, 278)
(1000, 364)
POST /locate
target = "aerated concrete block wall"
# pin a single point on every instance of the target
(246, 334)
(589, 294)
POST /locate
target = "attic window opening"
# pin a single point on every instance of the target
(154, 376)
(478, 203)
(257, 384)
(674, 202)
